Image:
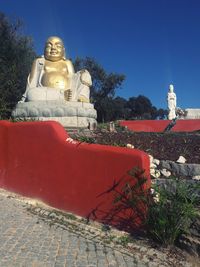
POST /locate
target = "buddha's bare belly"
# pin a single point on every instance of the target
(55, 79)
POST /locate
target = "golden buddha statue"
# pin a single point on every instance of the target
(52, 77)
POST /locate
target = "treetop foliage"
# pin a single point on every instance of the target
(103, 92)
(16, 56)
(104, 84)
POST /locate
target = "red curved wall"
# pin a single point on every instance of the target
(37, 161)
(160, 125)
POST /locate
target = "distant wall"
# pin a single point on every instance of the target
(187, 125)
(37, 161)
(160, 125)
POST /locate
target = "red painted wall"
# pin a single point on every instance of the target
(37, 161)
(160, 125)
(186, 125)
(146, 125)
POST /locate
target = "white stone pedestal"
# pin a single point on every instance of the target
(69, 114)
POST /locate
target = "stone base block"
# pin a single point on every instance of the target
(70, 122)
(69, 114)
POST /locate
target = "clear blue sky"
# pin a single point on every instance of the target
(153, 42)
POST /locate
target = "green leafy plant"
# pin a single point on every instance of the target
(120, 128)
(86, 139)
(102, 126)
(131, 198)
(172, 212)
(166, 214)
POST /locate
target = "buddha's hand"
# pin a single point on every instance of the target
(68, 95)
(86, 78)
(83, 99)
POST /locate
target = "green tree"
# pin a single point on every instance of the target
(16, 56)
(121, 109)
(131, 105)
(161, 113)
(140, 107)
(103, 88)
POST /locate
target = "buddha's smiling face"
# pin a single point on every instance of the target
(54, 49)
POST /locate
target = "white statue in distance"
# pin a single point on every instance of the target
(171, 100)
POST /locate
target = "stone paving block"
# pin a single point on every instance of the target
(28, 240)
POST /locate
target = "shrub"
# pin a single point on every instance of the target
(131, 197)
(170, 210)
(172, 213)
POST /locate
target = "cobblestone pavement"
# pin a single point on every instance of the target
(28, 240)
